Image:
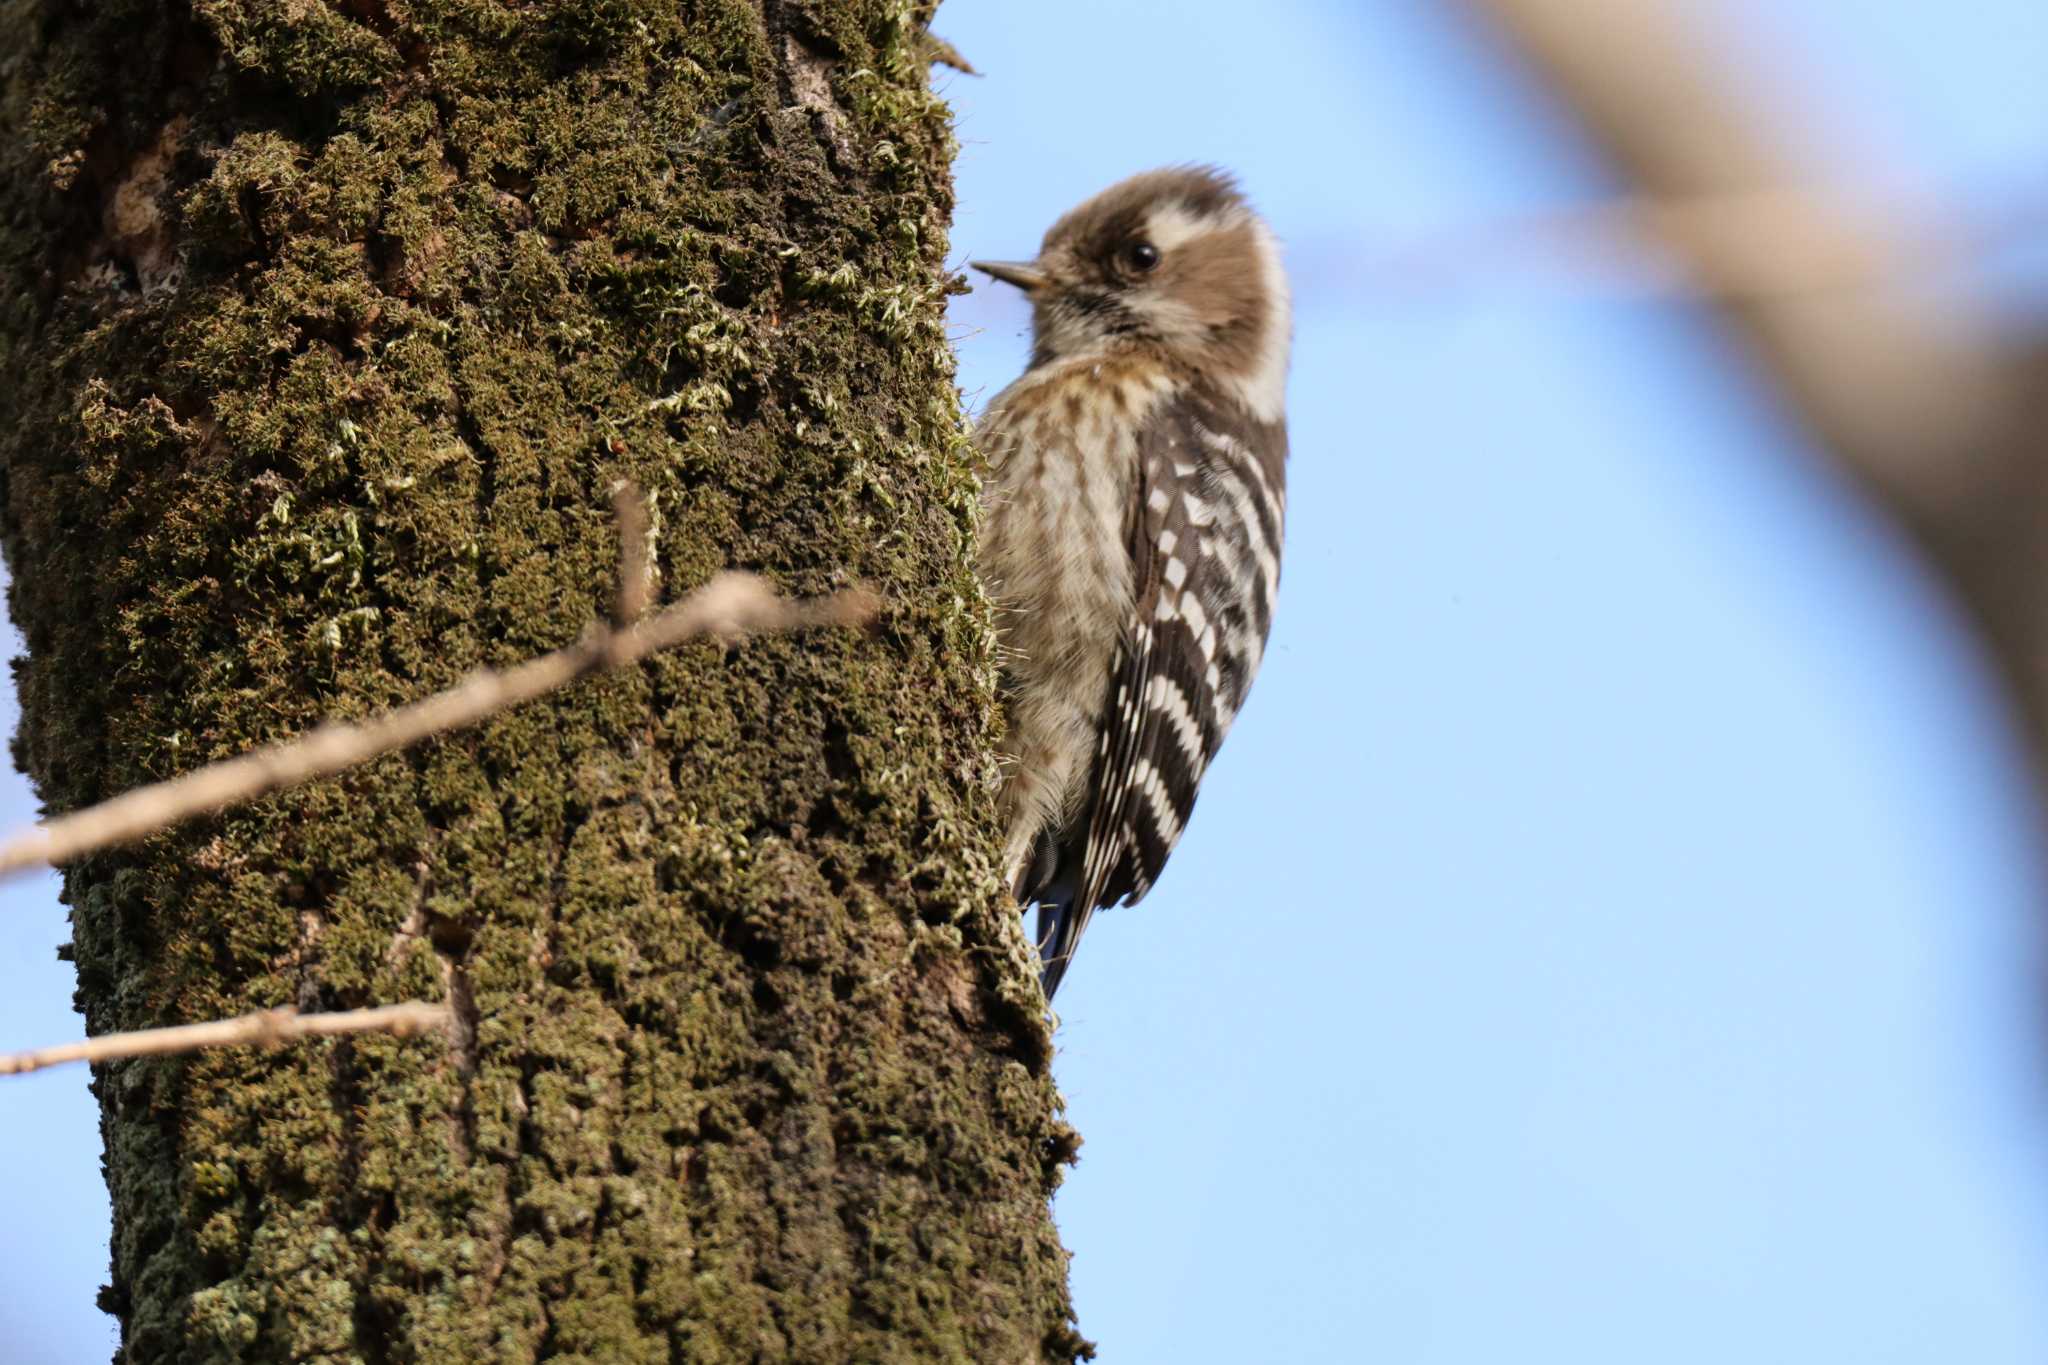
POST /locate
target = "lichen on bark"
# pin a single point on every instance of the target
(329, 330)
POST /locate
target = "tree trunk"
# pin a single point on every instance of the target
(328, 331)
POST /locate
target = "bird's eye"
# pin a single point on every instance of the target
(1141, 256)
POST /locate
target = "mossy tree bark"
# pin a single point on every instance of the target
(328, 329)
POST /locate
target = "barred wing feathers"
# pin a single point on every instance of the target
(1204, 533)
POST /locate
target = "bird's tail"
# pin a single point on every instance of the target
(1061, 922)
(1050, 878)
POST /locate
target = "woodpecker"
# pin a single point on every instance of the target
(1133, 500)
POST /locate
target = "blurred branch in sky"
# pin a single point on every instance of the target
(1756, 242)
(1912, 390)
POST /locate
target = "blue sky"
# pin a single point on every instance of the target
(1608, 935)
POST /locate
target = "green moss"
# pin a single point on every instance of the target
(757, 1068)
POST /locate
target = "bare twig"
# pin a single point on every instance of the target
(730, 606)
(267, 1028)
(940, 52)
(636, 573)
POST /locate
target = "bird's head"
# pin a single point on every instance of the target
(1173, 259)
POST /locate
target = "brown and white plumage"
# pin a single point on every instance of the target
(1135, 501)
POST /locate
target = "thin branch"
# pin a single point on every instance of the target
(636, 567)
(730, 606)
(265, 1028)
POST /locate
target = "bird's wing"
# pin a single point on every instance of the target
(1204, 533)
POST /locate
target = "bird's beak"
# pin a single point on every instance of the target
(1024, 274)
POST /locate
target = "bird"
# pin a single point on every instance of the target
(1133, 502)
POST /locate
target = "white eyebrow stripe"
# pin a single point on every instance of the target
(1173, 225)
